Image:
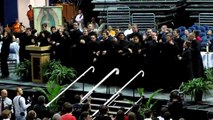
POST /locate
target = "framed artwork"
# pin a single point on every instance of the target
(51, 15)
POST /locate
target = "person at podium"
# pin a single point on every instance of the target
(44, 36)
(28, 39)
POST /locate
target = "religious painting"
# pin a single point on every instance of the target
(51, 15)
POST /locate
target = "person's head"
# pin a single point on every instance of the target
(167, 116)
(103, 110)
(6, 114)
(120, 115)
(85, 32)
(79, 11)
(90, 27)
(4, 93)
(134, 28)
(22, 28)
(121, 36)
(75, 25)
(56, 117)
(136, 39)
(169, 37)
(164, 28)
(67, 107)
(19, 91)
(154, 36)
(77, 98)
(129, 26)
(85, 116)
(209, 32)
(186, 32)
(29, 31)
(210, 115)
(41, 100)
(191, 37)
(44, 26)
(93, 38)
(131, 116)
(186, 44)
(174, 95)
(149, 32)
(148, 113)
(93, 19)
(105, 35)
(85, 107)
(31, 115)
(53, 29)
(163, 110)
(30, 7)
(176, 32)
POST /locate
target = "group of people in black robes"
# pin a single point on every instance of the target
(166, 59)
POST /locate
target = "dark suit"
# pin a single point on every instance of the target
(5, 49)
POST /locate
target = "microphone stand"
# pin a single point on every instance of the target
(207, 53)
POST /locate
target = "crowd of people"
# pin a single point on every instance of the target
(19, 108)
(163, 54)
(167, 58)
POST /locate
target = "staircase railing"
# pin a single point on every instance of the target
(90, 68)
(112, 98)
(134, 103)
(116, 70)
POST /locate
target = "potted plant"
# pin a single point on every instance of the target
(51, 90)
(149, 104)
(23, 70)
(55, 71)
(196, 88)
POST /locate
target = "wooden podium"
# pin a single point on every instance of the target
(39, 56)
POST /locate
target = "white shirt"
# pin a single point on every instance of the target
(148, 119)
(79, 18)
(20, 105)
(127, 32)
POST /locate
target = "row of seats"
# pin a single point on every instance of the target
(202, 30)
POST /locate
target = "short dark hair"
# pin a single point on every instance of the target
(84, 115)
(41, 99)
(44, 25)
(67, 107)
(148, 113)
(103, 109)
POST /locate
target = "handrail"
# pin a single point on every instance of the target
(134, 103)
(116, 70)
(116, 94)
(93, 70)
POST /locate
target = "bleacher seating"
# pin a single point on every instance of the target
(164, 10)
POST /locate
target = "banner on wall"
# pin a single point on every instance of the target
(51, 15)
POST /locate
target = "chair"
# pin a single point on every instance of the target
(182, 28)
(206, 27)
(192, 29)
(195, 26)
(202, 34)
(202, 29)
